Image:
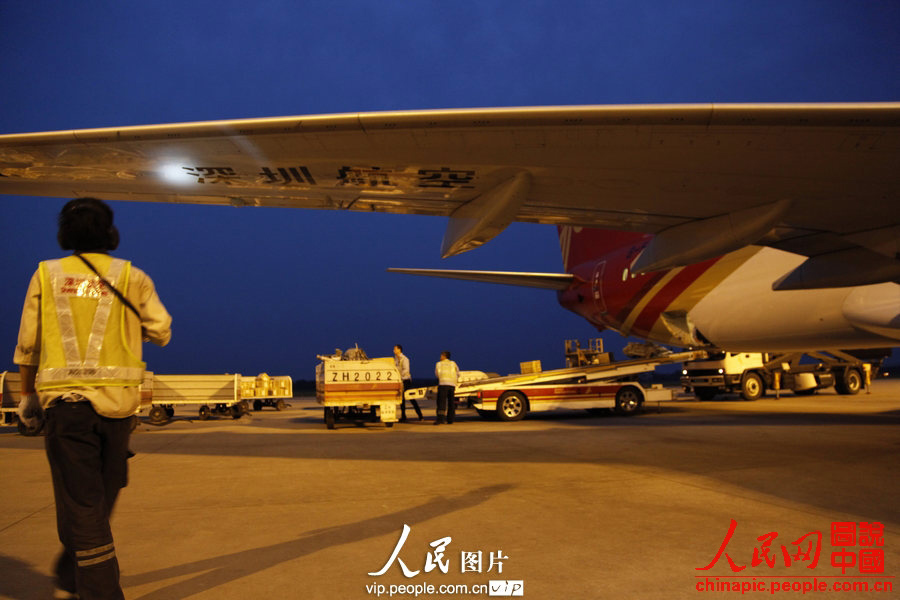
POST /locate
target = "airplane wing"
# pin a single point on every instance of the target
(816, 179)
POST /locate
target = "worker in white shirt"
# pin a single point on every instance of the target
(447, 373)
(402, 363)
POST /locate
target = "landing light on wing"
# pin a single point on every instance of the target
(175, 173)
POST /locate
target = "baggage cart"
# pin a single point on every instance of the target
(10, 386)
(208, 394)
(264, 390)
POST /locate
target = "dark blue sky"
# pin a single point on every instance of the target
(256, 290)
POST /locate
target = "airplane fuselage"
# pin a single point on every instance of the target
(727, 301)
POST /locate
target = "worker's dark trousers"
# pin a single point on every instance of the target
(406, 385)
(446, 403)
(88, 462)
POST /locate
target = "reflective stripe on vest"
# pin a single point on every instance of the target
(87, 370)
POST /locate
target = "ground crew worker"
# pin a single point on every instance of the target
(79, 354)
(867, 371)
(402, 363)
(448, 374)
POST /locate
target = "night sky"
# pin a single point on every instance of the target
(263, 289)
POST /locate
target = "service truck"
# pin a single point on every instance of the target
(751, 374)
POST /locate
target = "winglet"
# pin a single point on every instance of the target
(480, 220)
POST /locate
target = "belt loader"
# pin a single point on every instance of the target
(591, 387)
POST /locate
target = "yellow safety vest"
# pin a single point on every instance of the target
(83, 340)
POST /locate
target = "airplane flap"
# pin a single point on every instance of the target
(481, 219)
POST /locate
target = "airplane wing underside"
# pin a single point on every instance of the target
(816, 179)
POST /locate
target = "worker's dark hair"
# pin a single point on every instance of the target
(86, 224)
(399, 346)
(446, 353)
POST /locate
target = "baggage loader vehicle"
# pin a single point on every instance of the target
(592, 386)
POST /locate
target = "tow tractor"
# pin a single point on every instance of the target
(352, 387)
(600, 384)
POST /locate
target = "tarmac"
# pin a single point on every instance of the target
(678, 502)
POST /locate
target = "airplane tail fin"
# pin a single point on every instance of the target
(581, 244)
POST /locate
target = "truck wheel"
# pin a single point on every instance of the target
(236, 411)
(751, 386)
(257, 405)
(849, 382)
(628, 400)
(158, 415)
(705, 393)
(280, 404)
(329, 417)
(512, 406)
(204, 412)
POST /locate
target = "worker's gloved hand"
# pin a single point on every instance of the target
(30, 412)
